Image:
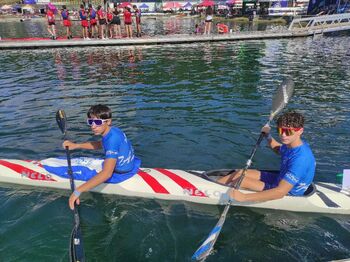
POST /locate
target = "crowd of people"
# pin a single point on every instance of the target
(101, 24)
(96, 23)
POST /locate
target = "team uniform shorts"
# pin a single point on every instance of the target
(209, 18)
(271, 179)
(67, 23)
(115, 20)
(93, 22)
(102, 21)
(84, 23)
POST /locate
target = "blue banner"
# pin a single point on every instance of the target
(29, 2)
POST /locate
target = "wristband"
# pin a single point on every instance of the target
(268, 137)
(76, 193)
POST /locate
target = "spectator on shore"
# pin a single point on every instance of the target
(208, 20)
(84, 22)
(116, 23)
(110, 26)
(137, 20)
(102, 21)
(222, 28)
(66, 21)
(93, 21)
(198, 28)
(51, 25)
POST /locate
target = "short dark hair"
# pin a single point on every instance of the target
(100, 111)
(291, 119)
(64, 7)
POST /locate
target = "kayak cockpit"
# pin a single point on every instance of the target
(214, 175)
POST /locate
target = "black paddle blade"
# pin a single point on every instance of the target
(76, 250)
(61, 120)
(282, 97)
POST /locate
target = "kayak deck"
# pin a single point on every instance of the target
(173, 184)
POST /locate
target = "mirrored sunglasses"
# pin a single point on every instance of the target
(96, 122)
(289, 131)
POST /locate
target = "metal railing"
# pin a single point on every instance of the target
(320, 24)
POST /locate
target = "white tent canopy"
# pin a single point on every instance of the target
(6, 7)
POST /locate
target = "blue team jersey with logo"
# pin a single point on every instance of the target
(116, 145)
(297, 167)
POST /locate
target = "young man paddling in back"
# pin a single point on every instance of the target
(119, 153)
(297, 165)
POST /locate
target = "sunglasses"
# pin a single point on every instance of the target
(96, 122)
(289, 131)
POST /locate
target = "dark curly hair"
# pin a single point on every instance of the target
(100, 111)
(291, 119)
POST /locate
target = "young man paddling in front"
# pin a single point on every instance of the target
(119, 153)
(297, 165)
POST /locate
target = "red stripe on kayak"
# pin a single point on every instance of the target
(152, 182)
(193, 190)
(26, 172)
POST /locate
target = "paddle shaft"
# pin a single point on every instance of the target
(202, 255)
(76, 249)
(72, 185)
(249, 162)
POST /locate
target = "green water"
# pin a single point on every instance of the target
(196, 107)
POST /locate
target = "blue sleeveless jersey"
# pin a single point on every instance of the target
(82, 15)
(116, 145)
(64, 14)
(297, 167)
(92, 14)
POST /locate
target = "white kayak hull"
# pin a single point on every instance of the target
(172, 184)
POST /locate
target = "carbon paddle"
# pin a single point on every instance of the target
(279, 101)
(76, 249)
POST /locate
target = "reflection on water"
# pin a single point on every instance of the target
(94, 65)
(196, 107)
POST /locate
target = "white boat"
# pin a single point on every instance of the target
(173, 184)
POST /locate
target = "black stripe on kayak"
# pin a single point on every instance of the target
(336, 189)
(328, 202)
